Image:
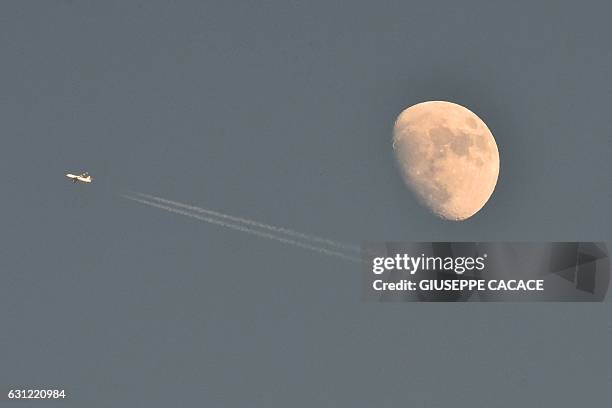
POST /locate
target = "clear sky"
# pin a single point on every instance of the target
(282, 111)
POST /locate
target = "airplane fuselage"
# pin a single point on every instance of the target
(81, 178)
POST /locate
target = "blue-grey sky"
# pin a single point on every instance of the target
(281, 111)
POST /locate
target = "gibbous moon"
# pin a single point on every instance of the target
(447, 156)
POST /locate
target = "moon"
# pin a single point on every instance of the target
(447, 156)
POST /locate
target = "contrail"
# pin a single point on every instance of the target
(242, 228)
(246, 221)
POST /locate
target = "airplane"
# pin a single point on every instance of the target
(83, 177)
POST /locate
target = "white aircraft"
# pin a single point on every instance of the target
(83, 177)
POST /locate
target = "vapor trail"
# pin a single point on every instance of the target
(242, 228)
(246, 221)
